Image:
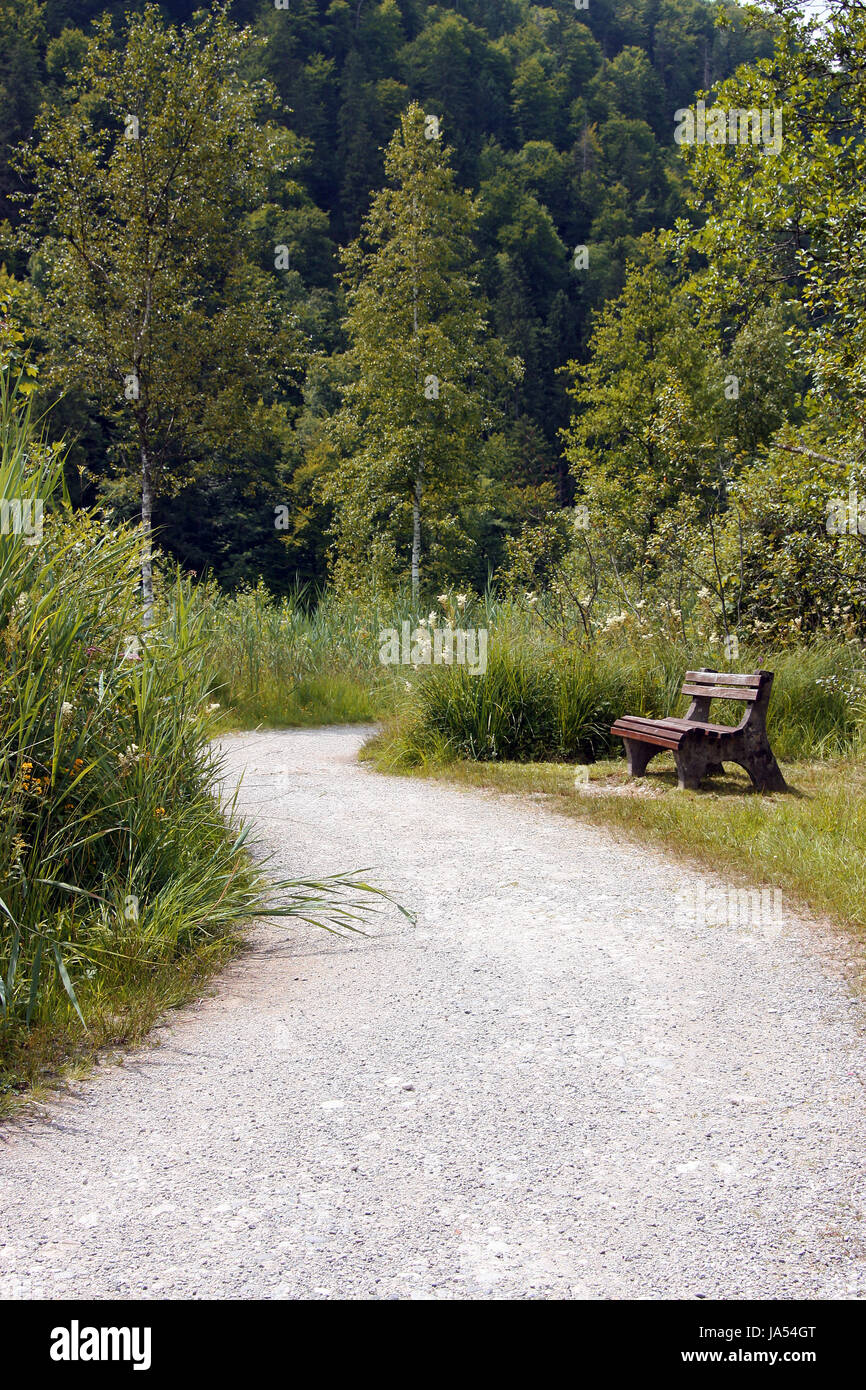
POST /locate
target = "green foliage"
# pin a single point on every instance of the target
(295, 662)
(558, 120)
(416, 407)
(144, 166)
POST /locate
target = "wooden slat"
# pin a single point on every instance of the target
(647, 735)
(721, 678)
(711, 730)
(636, 721)
(720, 692)
(679, 725)
(640, 737)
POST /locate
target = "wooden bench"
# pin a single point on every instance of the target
(700, 748)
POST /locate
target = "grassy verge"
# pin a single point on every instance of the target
(810, 843)
(120, 1014)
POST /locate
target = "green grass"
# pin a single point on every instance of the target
(291, 663)
(312, 702)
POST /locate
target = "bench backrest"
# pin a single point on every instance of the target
(704, 686)
(722, 685)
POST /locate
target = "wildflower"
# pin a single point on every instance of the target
(160, 811)
(461, 601)
(443, 599)
(431, 618)
(531, 599)
(66, 712)
(129, 758)
(212, 708)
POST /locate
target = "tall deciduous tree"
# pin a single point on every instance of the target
(144, 169)
(416, 411)
(785, 221)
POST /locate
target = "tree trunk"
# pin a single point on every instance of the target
(416, 540)
(146, 537)
(416, 499)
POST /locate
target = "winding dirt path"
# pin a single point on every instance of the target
(550, 1087)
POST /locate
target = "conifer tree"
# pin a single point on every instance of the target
(416, 410)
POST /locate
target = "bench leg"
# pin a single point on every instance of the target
(693, 765)
(638, 755)
(764, 771)
(688, 773)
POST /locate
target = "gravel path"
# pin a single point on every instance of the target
(550, 1087)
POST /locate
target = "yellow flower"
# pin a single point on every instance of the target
(160, 811)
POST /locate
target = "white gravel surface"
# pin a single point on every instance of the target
(550, 1087)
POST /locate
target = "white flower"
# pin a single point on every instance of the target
(129, 758)
(443, 599)
(461, 600)
(211, 709)
(531, 599)
(66, 712)
(615, 620)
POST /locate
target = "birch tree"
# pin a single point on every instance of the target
(143, 168)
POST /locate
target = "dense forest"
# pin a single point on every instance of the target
(559, 122)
